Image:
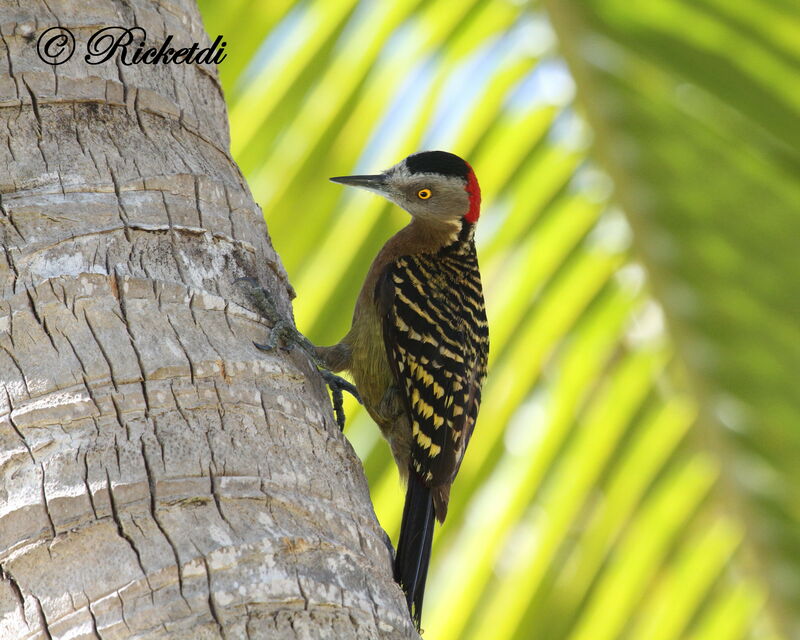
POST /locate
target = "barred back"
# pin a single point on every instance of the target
(437, 343)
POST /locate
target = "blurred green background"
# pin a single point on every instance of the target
(635, 472)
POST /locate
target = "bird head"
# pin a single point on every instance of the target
(435, 186)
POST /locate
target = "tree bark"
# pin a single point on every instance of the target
(160, 477)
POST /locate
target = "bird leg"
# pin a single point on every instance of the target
(337, 385)
(283, 332)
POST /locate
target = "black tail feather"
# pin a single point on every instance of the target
(414, 546)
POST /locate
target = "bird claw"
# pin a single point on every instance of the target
(338, 385)
(263, 347)
(270, 348)
(281, 332)
(284, 332)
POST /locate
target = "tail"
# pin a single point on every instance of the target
(414, 546)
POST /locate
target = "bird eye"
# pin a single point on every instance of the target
(424, 194)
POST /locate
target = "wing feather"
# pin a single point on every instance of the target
(436, 339)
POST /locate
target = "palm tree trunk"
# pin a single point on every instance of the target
(159, 477)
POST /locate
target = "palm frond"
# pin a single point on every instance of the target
(632, 473)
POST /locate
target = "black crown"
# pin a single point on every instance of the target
(441, 162)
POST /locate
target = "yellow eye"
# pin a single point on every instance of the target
(424, 194)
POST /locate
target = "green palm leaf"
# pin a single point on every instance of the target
(633, 474)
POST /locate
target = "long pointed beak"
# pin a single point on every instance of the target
(373, 183)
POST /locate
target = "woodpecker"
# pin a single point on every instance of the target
(418, 344)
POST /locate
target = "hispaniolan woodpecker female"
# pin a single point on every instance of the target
(419, 341)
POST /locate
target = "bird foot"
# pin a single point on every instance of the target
(338, 385)
(283, 332)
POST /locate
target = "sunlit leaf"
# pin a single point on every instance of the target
(634, 469)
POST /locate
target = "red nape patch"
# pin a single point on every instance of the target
(474, 192)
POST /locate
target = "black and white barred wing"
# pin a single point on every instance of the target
(434, 330)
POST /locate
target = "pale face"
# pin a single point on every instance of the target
(427, 196)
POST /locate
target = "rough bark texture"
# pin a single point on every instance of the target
(159, 477)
